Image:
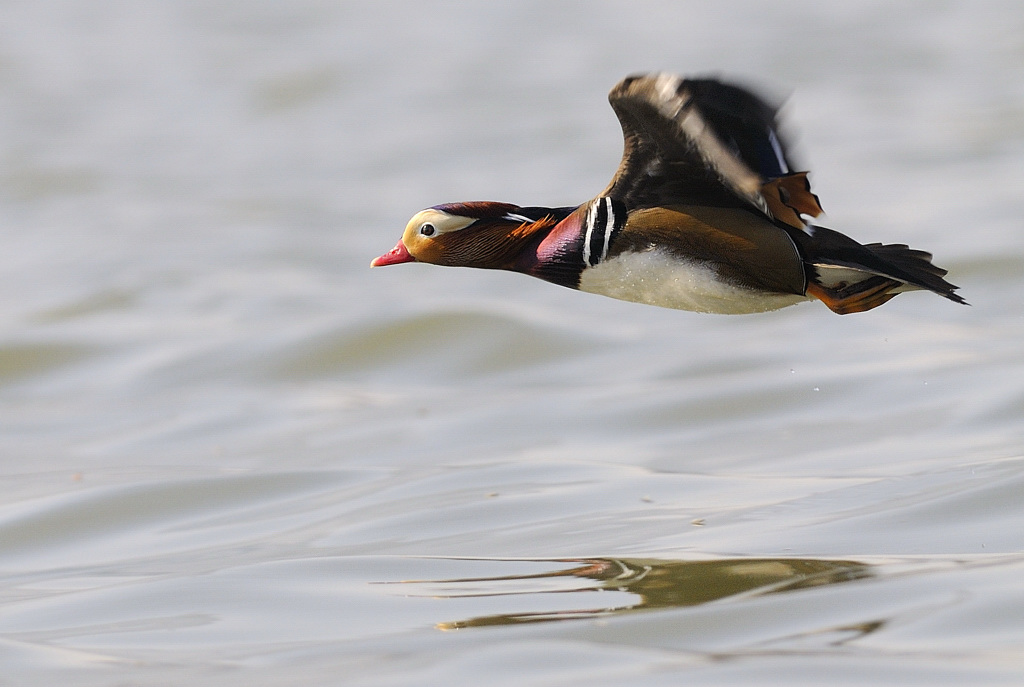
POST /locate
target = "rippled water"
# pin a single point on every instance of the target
(231, 454)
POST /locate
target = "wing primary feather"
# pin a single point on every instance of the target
(701, 141)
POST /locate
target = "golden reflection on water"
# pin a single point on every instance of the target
(653, 584)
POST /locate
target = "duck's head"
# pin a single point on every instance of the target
(480, 234)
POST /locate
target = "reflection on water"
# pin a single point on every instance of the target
(20, 361)
(651, 583)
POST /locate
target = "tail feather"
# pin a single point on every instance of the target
(917, 265)
(902, 255)
(831, 253)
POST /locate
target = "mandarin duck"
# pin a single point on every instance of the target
(704, 213)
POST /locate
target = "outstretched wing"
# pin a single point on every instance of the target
(700, 141)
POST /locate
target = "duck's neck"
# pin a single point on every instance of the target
(556, 254)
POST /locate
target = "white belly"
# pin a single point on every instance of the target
(656, 278)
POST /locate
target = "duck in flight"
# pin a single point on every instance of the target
(704, 213)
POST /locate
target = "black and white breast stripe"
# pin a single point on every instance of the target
(605, 218)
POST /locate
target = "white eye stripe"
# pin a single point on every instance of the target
(511, 216)
(442, 223)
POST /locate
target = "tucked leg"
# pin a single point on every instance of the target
(864, 295)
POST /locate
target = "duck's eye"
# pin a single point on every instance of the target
(427, 229)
